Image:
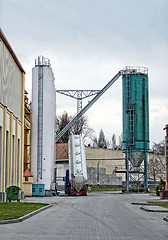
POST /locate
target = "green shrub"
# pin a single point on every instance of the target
(159, 186)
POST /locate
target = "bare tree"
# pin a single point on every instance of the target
(156, 166)
(80, 126)
(61, 121)
(159, 148)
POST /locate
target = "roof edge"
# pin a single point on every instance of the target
(6, 42)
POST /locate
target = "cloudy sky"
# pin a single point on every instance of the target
(88, 42)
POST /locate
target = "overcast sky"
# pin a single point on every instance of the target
(88, 42)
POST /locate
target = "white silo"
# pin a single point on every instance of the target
(43, 124)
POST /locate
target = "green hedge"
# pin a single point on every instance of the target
(98, 188)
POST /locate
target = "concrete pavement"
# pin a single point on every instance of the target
(99, 216)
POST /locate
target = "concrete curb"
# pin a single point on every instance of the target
(147, 209)
(161, 210)
(154, 210)
(21, 219)
(165, 218)
(140, 203)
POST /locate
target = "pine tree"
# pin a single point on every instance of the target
(101, 140)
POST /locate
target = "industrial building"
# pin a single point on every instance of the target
(101, 164)
(12, 82)
(43, 126)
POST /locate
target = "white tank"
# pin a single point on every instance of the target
(43, 122)
(77, 162)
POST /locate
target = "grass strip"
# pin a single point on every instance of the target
(14, 210)
(99, 188)
(159, 203)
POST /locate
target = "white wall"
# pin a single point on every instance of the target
(61, 172)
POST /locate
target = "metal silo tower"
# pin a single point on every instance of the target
(43, 124)
(135, 124)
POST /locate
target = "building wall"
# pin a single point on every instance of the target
(101, 164)
(62, 163)
(107, 158)
(11, 117)
(10, 82)
(11, 149)
(62, 166)
(48, 126)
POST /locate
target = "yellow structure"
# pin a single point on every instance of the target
(28, 178)
(27, 131)
(12, 78)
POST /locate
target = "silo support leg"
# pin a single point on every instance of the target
(127, 173)
(145, 174)
(127, 180)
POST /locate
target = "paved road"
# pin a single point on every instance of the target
(99, 216)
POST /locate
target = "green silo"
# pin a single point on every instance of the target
(135, 116)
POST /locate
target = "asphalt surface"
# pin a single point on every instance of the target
(98, 216)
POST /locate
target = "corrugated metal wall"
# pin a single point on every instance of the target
(10, 82)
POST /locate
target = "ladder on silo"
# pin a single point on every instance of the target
(131, 126)
(40, 121)
(130, 111)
